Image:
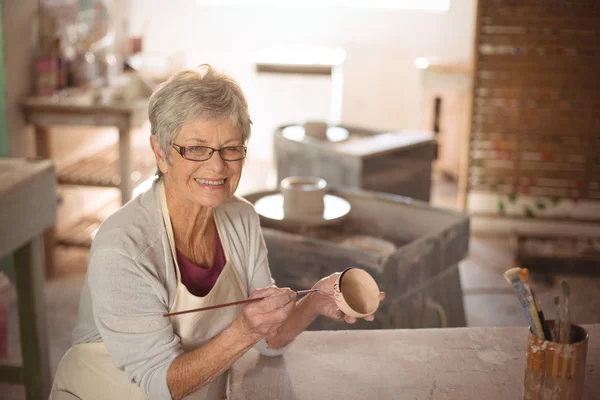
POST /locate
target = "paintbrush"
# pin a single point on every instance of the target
(233, 303)
(545, 328)
(557, 320)
(524, 296)
(564, 315)
(524, 276)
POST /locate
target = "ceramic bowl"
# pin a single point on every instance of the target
(356, 293)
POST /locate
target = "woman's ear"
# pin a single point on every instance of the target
(159, 155)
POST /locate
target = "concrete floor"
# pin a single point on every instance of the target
(489, 299)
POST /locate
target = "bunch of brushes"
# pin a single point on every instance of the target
(518, 278)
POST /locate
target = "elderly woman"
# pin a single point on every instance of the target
(186, 243)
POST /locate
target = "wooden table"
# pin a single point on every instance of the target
(77, 108)
(454, 363)
(83, 110)
(27, 208)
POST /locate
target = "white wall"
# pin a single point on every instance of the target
(381, 85)
(20, 40)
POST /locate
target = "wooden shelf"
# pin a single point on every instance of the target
(535, 110)
(102, 169)
(537, 218)
(554, 252)
(82, 232)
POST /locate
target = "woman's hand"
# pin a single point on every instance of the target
(326, 305)
(265, 317)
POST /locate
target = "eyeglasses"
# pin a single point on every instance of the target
(204, 153)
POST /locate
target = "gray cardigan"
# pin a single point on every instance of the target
(131, 282)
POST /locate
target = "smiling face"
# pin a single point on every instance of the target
(202, 183)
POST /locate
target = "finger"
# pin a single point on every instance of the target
(349, 319)
(332, 311)
(276, 301)
(272, 303)
(323, 293)
(266, 291)
(287, 308)
(262, 292)
(381, 296)
(274, 330)
(282, 314)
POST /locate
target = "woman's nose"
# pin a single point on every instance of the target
(215, 162)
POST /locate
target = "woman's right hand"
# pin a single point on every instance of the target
(265, 317)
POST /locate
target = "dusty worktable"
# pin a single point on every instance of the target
(453, 363)
(27, 208)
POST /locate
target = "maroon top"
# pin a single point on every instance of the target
(199, 281)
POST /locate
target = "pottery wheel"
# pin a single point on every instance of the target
(271, 208)
(370, 244)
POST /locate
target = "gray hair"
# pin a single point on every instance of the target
(192, 95)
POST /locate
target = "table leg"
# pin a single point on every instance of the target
(29, 277)
(125, 163)
(42, 142)
(42, 145)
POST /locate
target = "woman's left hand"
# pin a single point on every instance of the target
(326, 305)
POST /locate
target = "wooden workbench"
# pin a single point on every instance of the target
(27, 208)
(454, 363)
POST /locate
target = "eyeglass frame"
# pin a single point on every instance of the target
(182, 149)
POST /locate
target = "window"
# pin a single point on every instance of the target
(403, 5)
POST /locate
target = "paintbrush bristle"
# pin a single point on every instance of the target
(524, 275)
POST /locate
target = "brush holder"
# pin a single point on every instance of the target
(556, 370)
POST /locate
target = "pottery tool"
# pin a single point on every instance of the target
(538, 307)
(233, 303)
(564, 315)
(556, 321)
(524, 296)
(524, 276)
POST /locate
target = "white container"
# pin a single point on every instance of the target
(303, 197)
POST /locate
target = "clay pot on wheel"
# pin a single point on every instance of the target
(316, 129)
(303, 197)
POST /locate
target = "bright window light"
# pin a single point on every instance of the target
(421, 63)
(406, 5)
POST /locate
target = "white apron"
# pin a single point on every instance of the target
(88, 372)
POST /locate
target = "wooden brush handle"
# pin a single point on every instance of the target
(233, 303)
